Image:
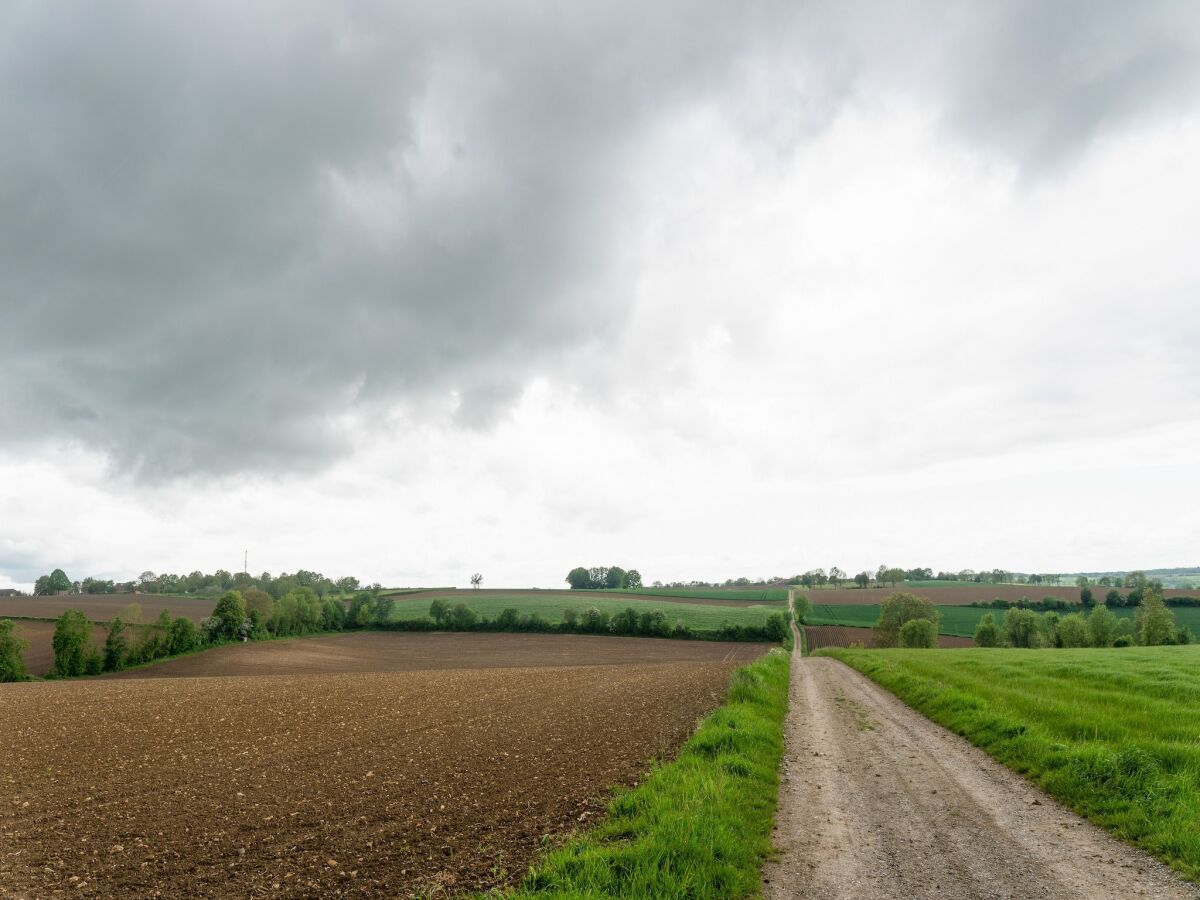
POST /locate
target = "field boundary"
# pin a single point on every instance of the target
(699, 826)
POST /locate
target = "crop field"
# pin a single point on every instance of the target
(960, 621)
(102, 607)
(959, 595)
(388, 651)
(732, 599)
(818, 637)
(698, 616)
(1111, 733)
(400, 783)
(742, 595)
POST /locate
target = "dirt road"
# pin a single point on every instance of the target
(877, 801)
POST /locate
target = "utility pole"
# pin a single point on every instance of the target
(245, 562)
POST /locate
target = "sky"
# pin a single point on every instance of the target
(702, 289)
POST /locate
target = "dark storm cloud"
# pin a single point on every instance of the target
(224, 228)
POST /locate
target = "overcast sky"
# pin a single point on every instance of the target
(707, 289)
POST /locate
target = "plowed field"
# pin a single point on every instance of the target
(390, 651)
(329, 785)
(818, 636)
(102, 607)
(39, 655)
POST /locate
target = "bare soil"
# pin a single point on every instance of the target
(391, 651)
(879, 802)
(102, 607)
(393, 784)
(818, 636)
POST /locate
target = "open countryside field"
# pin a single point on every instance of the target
(348, 784)
(733, 599)
(961, 620)
(102, 607)
(387, 651)
(1112, 734)
(705, 616)
(817, 637)
(959, 595)
(39, 655)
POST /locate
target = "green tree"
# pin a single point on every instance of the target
(897, 609)
(987, 634)
(614, 578)
(579, 579)
(56, 582)
(1086, 597)
(1022, 628)
(438, 609)
(12, 667)
(72, 637)
(633, 579)
(918, 633)
(183, 636)
(862, 579)
(347, 585)
(116, 646)
(230, 613)
(801, 607)
(461, 618)
(1154, 623)
(381, 610)
(836, 576)
(1072, 631)
(1102, 627)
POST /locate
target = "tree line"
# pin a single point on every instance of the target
(199, 584)
(603, 577)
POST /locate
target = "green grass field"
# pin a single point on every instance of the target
(697, 827)
(959, 620)
(695, 616)
(753, 595)
(1114, 734)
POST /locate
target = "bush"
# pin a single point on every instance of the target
(918, 633)
(72, 636)
(1154, 624)
(116, 647)
(460, 618)
(1123, 640)
(1102, 627)
(93, 660)
(12, 667)
(1073, 631)
(987, 634)
(230, 613)
(777, 626)
(183, 636)
(898, 609)
(437, 610)
(1022, 628)
(802, 607)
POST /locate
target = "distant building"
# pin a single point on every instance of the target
(10, 592)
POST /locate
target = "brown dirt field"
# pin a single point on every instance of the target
(963, 596)
(102, 607)
(39, 655)
(391, 651)
(818, 636)
(582, 596)
(347, 785)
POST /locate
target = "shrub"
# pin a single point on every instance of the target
(1048, 624)
(72, 635)
(802, 606)
(1124, 631)
(1154, 624)
(12, 667)
(93, 660)
(437, 610)
(777, 626)
(1021, 628)
(624, 622)
(571, 617)
(1123, 640)
(508, 620)
(898, 609)
(1073, 631)
(1102, 627)
(1184, 636)
(116, 647)
(460, 618)
(987, 634)
(183, 636)
(918, 633)
(230, 613)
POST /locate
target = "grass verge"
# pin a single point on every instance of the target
(1113, 734)
(699, 826)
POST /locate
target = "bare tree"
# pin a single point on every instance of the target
(476, 580)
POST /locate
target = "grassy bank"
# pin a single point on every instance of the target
(697, 827)
(1113, 734)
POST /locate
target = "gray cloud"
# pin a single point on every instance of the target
(222, 231)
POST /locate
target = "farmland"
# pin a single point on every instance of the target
(706, 616)
(818, 637)
(959, 621)
(383, 651)
(732, 599)
(353, 784)
(39, 655)
(102, 607)
(1112, 734)
(959, 594)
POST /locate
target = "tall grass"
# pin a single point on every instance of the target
(697, 827)
(1114, 734)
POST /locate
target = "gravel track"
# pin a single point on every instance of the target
(879, 802)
